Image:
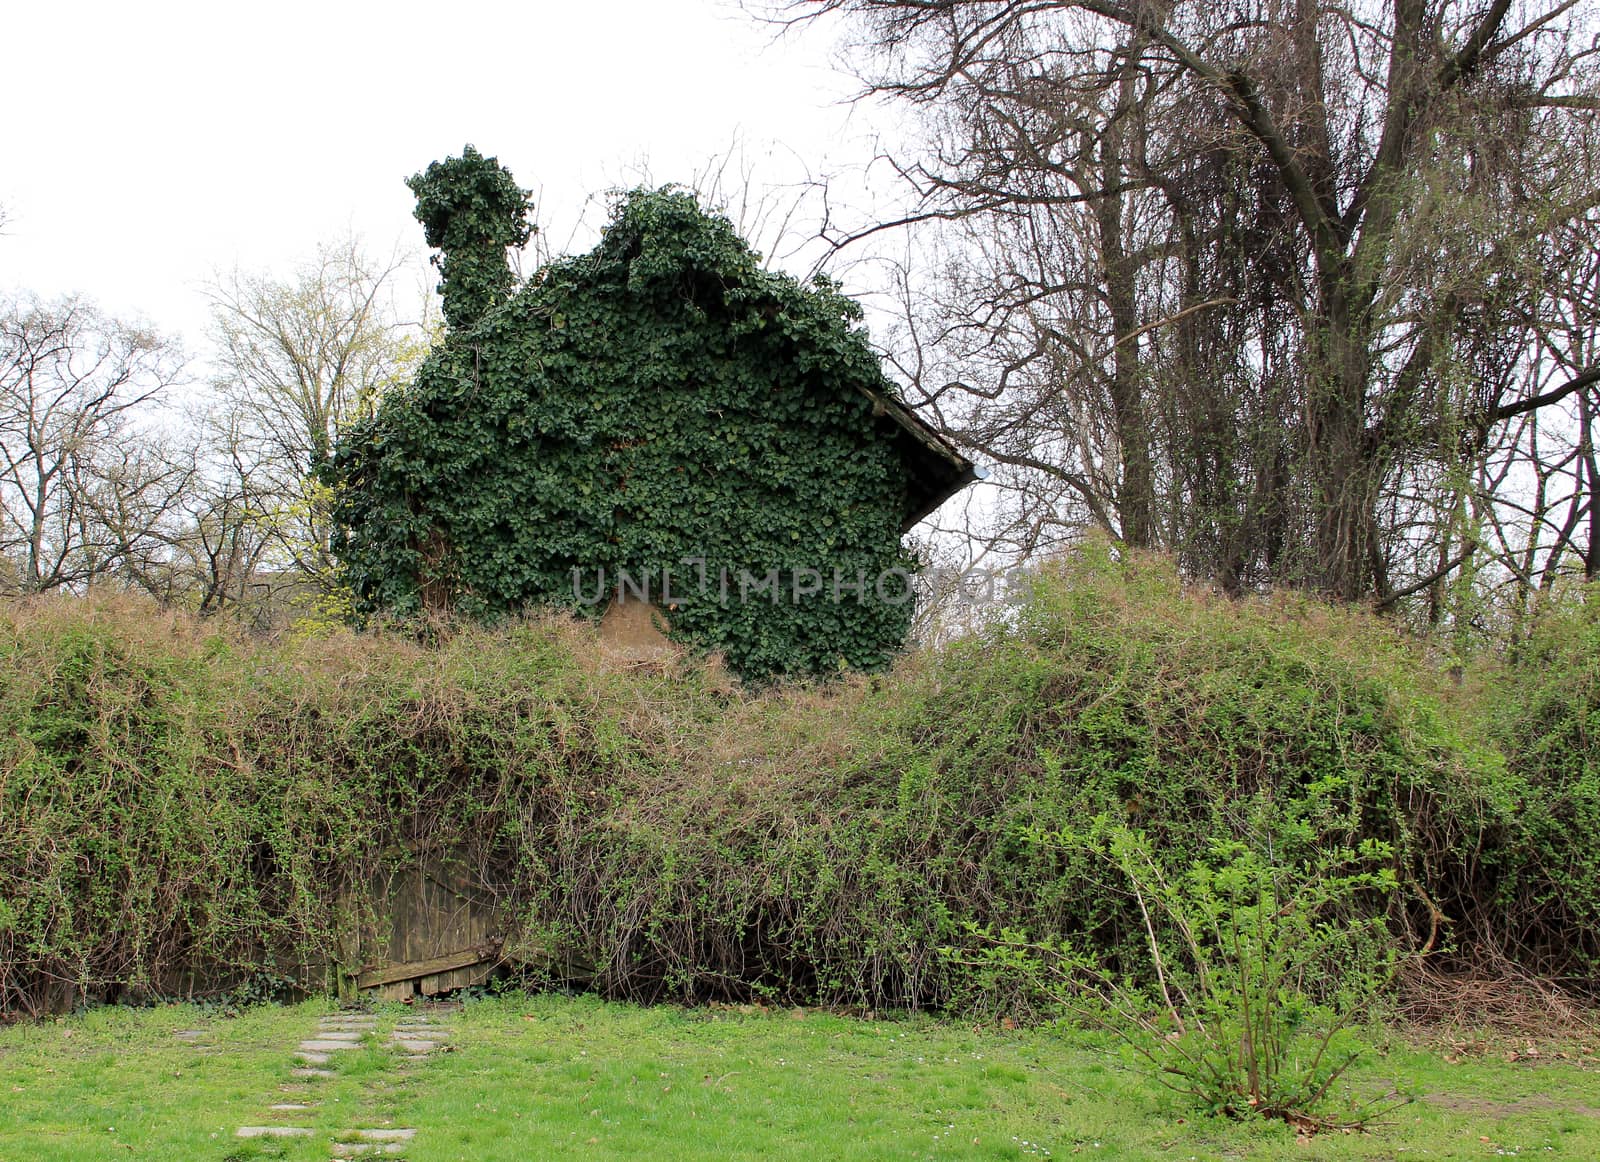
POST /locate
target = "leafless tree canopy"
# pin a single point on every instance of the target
(298, 359)
(85, 492)
(1284, 286)
(1302, 292)
(103, 482)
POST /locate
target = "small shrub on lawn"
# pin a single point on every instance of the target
(1254, 973)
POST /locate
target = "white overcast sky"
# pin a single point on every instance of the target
(150, 144)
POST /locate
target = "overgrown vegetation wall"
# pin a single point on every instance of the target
(180, 805)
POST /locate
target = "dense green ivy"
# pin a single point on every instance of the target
(661, 407)
(472, 209)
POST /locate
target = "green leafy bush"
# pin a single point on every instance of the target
(473, 210)
(1256, 972)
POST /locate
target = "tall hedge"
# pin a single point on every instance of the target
(175, 800)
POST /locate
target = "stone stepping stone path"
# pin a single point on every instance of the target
(371, 1141)
(335, 1033)
(415, 1037)
(418, 1037)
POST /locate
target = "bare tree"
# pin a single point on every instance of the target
(1250, 280)
(297, 360)
(86, 493)
(230, 513)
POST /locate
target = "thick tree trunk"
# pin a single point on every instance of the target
(1345, 469)
(1135, 495)
(1136, 492)
(1591, 556)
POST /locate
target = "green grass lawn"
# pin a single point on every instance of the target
(540, 1077)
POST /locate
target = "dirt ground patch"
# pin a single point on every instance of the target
(1489, 1108)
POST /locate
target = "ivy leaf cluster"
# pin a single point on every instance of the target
(661, 406)
(472, 210)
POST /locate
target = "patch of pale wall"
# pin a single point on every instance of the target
(633, 630)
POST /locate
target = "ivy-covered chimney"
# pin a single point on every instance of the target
(472, 210)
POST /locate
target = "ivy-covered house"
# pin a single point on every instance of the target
(659, 418)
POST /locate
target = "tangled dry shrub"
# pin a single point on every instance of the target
(1543, 709)
(180, 804)
(1507, 1001)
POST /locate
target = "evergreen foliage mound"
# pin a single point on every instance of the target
(661, 405)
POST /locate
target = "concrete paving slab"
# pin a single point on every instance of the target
(272, 1132)
(417, 1046)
